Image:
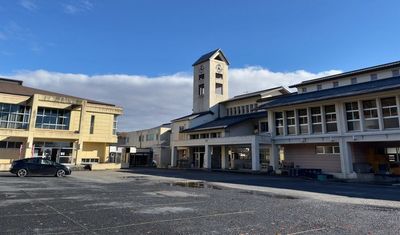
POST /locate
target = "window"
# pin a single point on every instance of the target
(370, 111)
(279, 123)
(353, 81)
(92, 119)
(115, 125)
(90, 160)
(374, 77)
(10, 145)
(218, 89)
(303, 121)
(352, 116)
(327, 149)
(316, 120)
(395, 72)
(389, 113)
(14, 116)
(48, 118)
(204, 136)
(319, 87)
(234, 111)
(193, 137)
(264, 126)
(201, 89)
(201, 76)
(251, 108)
(290, 122)
(215, 135)
(330, 118)
(238, 110)
(219, 75)
(243, 109)
(247, 109)
(393, 154)
(335, 84)
(304, 89)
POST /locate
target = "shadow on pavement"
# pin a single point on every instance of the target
(359, 190)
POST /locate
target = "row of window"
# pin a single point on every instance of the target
(373, 77)
(205, 135)
(14, 116)
(327, 149)
(238, 110)
(10, 145)
(217, 76)
(48, 118)
(218, 89)
(368, 110)
(148, 137)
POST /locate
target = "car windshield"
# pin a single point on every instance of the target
(46, 162)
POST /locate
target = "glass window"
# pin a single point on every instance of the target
(353, 81)
(115, 125)
(264, 126)
(327, 149)
(201, 76)
(219, 76)
(370, 111)
(304, 89)
(330, 118)
(316, 120)
(279, 123)
(335, 84)
(374, 77)
(218, 89)
(48, 118)
(201, 89)
(92, 120)
(389, 112)
(395, 72)
(352, 116)
(14, 116)
(290, 122)
(303, 121)
(319, 87)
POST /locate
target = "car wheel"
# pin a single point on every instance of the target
(22, 173)
(60, 173)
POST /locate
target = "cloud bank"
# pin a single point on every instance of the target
(151, 101)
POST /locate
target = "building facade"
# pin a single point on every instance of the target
(346, 125)
(149, 147)
(66, 129)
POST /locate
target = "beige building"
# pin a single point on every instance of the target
(149, 147)
(67, 129)
(345, 125)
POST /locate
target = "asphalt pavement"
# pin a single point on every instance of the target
(152, 201)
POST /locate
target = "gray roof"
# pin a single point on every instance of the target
(227, 121)
(208, 56)
(15, 87)
(256, 93)
(193, 115)
(350, 73)
(332, 93)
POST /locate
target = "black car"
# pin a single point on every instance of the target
(38, 166)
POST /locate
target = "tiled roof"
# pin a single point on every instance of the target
(332, 93)
(350, 73)
(224, 122)
(15, 87)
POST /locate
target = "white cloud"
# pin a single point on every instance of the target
(77, 6)
(28, 4)
(151, 101)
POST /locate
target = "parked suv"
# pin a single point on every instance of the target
(38, 166)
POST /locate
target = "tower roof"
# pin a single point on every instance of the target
(210, 55)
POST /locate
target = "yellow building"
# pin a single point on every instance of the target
(67, 129)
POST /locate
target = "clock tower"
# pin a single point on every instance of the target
(210, 81)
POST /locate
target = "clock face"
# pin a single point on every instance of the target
(219, 68)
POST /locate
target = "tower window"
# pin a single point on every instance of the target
(219, 75)
(201, 76)
(218, 89)
(201, 89)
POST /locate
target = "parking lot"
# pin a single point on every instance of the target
(151, 201)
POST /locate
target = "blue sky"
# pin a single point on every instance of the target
(151, 37)
(138, 53)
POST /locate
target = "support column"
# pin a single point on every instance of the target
(31, 127)
(82, 120)
(255, 155)
(207, 157)
(274, 156)
(346, 161)
(174, 156)
(224, 159)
